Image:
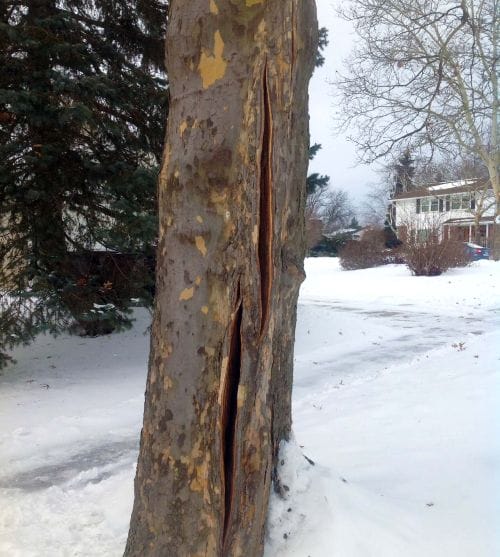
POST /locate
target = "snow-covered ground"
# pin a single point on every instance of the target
(396, 401)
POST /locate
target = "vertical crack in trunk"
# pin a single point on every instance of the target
(230, 411)
(265, 248)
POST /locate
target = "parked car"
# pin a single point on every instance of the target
(476, 252)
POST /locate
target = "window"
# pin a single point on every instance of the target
(461, 201)
(456, 201)
(425, 205)
(434, 204)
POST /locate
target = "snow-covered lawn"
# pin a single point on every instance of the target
(396, 400)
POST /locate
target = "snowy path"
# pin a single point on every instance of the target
(395, 399)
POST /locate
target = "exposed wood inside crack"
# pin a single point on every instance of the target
(230, 411)
(265, 247)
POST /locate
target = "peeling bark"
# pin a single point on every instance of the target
(230, 263)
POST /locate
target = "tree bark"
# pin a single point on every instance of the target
(230, 263)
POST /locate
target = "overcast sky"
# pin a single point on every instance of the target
(337, 157)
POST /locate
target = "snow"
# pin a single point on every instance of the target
(449, 185)
(395, 401)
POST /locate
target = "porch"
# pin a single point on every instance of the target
(464, 230)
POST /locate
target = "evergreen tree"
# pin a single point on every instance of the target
(82, 113)
(316, 182)
(404, 170)
(354, 224)
(322, 44)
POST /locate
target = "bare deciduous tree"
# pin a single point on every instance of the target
(375, 205)
(424, 74)
(337, 210)
(334, 207)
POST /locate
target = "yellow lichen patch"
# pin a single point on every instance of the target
(213, 8)
(242, 393)
(204, 310)
(167, 152)
(182, 128)
(212, 67)
(198, 470)
(223, 376)
(186, 294)
(167, 383)
(165, 349)
(195, 454)
(210, 351)
(251, 3)
(255, 234)
(197, 281)
(216, 197)
(199, 483)
(201, 246)
(219, 201)
(199, 219)
(165, 455)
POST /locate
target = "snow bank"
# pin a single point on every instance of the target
(395, 401)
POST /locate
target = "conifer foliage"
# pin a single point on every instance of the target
(404, 171)
(83, 100)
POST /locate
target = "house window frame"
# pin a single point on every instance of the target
(425, 205)
(456, 201)
(466, 201)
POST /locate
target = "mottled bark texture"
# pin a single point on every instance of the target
(230, 262)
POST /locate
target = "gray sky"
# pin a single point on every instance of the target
(337, 157)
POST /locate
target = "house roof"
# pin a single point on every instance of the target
(467, 221)
(461, 186)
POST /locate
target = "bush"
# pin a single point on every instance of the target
(432, 257)
(330, 246)
(365, 253)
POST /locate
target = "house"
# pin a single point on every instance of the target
(463, 211)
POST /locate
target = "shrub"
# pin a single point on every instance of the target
(330, 246)
(432, 257)
(364, 253)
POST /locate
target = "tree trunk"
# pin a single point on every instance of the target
(495, 230)
(230, 263)
(495, 184)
